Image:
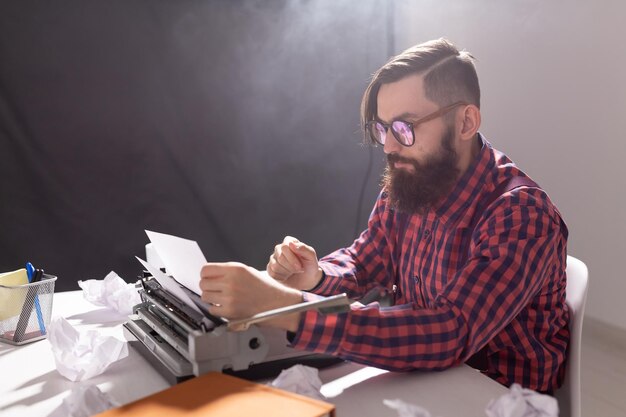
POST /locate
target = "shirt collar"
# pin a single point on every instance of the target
(470, 185)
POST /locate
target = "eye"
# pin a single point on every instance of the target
(403, 132)
(401, 127)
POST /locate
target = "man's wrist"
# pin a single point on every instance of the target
(320, 278)
(290, 322)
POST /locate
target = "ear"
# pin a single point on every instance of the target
(469, 123)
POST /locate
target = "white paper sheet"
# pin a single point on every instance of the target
(169, 284)
(183, 258)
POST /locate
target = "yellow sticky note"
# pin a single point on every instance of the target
(12, 299)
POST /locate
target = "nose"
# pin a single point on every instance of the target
(391, 144)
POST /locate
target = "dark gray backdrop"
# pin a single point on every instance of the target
(229, 122)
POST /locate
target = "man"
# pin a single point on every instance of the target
(476, 266)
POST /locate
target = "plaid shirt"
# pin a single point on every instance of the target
(500, 286)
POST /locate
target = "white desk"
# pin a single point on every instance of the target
(31, 386)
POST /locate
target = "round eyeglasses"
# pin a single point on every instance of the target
(403, 131)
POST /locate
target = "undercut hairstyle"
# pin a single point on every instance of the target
(449, 75)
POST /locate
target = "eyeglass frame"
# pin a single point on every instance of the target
(411, 125)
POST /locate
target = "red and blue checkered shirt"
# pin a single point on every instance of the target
(498, 287)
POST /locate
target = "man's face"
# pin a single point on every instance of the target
(418, 176)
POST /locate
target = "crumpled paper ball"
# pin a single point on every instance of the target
(86, 400)
(300, 379)
(523, 402)
(83, 355)
(112, 292)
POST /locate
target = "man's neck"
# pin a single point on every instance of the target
(469, 155)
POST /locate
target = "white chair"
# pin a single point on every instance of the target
(568, 395)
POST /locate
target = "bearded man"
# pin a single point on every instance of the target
(471, 250)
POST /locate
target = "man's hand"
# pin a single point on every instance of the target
(295, 264)
(235, 290)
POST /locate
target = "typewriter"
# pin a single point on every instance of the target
(181, 341)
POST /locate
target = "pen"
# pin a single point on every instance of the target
(27, 308)
(36, 276)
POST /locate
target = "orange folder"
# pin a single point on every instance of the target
(220, 395)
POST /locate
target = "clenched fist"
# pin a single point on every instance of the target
(295, 264)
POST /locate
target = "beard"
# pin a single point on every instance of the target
(431, 180)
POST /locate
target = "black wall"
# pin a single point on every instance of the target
(229, 122)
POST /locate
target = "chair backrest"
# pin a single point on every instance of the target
(568, 395)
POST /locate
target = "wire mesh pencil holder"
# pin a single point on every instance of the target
(25, 311)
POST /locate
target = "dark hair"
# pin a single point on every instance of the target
(450, 75)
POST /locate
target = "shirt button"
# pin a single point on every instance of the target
(416, 278)
(426, 232)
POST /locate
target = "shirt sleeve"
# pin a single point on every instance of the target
(513, 252)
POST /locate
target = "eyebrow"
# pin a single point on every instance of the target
(402, 117)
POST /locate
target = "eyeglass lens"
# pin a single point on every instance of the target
(401, 130)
